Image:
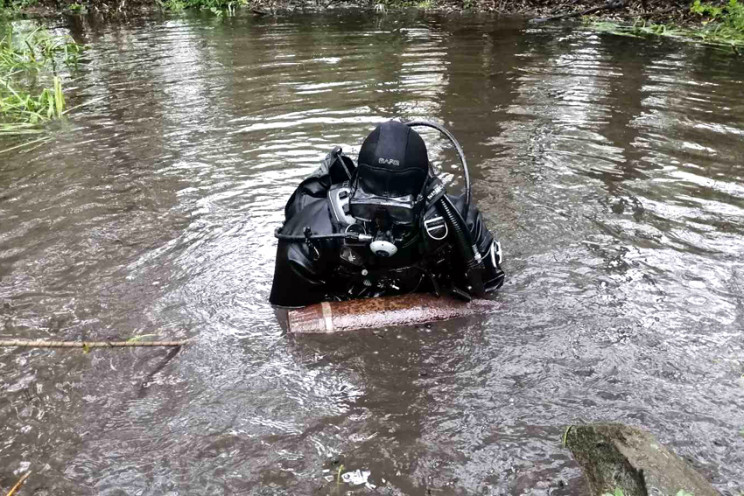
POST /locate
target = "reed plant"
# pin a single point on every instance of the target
(31, 89)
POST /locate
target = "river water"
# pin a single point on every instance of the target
(611, 169)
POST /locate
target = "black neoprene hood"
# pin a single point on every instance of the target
(393, 161)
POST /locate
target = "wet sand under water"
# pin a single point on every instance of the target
(611, 170)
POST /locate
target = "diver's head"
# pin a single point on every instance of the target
(392, 170)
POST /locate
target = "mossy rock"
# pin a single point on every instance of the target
(616, 456)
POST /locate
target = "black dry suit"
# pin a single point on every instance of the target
(335, 246)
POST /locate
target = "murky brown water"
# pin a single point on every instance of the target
(612, 170)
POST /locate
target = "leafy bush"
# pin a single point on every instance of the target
(730, 14)
(723, 22)
(9, 8)
(723, 26)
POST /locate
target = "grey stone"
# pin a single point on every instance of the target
(617, 456)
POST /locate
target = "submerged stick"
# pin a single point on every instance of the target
(18, 484)
(412, 309)
(20, 343)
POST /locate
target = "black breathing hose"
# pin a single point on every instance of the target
(464, 244)
(464, 240)
(468, 251)
(460, 154)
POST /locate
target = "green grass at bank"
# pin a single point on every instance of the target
(31, 89)
(720, 25)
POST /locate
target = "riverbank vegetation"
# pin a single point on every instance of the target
(217, 7)
(524, 7)
(665, 12)
(31, 88)
(713, 24)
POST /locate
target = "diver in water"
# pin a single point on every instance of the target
(383, 226)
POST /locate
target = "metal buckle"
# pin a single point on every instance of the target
(434, 224)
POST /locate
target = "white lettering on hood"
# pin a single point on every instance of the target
(388, 161)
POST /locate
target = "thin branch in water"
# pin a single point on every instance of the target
(18, 484)
(85, 345)
(28, 143)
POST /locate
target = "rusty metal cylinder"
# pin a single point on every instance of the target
(412, 309)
